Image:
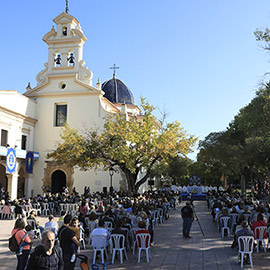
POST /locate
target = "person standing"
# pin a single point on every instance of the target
(21, 236)
(46, 255)
(188, 217)
(67, 240)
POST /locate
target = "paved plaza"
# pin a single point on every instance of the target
(170, 250)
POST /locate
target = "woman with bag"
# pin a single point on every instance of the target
(21, 236)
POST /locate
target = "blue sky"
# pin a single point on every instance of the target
(197, 60)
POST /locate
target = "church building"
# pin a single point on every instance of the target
(64, 94)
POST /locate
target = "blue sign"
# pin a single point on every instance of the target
(11, 160)
(29, 162)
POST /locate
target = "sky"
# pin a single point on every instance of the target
(196, 60)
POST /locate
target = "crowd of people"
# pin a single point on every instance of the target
(93, 211)
(244, 215)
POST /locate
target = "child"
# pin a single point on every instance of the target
(75, 228)
(31, 234)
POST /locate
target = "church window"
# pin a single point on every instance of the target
(24, 141)
(61, 115)
(4, 137)
(64, 31)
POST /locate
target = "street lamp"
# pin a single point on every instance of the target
(111, 173)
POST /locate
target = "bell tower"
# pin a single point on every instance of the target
(65, 51)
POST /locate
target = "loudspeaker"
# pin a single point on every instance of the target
(105, 190)
(151, 182)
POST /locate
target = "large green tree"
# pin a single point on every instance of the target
(133, 146)
(244, 144)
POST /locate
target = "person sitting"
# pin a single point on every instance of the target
(84, 208)
(51, 225)
(32, 216)
(100, 231)
(108, 218)
(259, 223)
(244, 231)
(224, 213)
(118, 230)
(142, 229)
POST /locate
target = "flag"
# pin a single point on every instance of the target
(11, 160)
(29, 162)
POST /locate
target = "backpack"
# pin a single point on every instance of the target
(13, 244)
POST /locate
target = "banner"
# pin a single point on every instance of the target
(11, 160)
(29, 162)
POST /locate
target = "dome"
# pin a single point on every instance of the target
(117, 92)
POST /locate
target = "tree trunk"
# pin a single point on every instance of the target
(131, 180)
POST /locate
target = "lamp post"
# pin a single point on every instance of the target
(111, 173)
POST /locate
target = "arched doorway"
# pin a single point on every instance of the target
(3, 177)
(58, 181)
(21, 184)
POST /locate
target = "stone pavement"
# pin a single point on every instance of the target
(170, 251)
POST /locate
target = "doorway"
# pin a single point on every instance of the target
(58, 181)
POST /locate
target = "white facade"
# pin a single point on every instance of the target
(17, 127)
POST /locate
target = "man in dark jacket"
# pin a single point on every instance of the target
(46, 256)
(188, 216)
(68, 241)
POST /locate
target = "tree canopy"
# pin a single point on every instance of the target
(133, 146)
(244, 144)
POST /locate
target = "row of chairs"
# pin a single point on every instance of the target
(7, 212)
(45, 209)
(117, 243)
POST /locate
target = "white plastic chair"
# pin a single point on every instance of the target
(133, 238)
(82, 236)
(45, 209)
(245, 246)
(38, 208)
(127, 230)
(1, 207)
(143, 243)
(225, 226)
(63, 209)
(108, 225)
(99, 243)
(153, 219)
(247, 217)
(118, 241)
(260, 231)
(233, 220)
(92, 224)
(160, 214)
(73, 208)
(27, 210)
